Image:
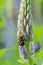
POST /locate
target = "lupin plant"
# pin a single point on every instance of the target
(25, 33)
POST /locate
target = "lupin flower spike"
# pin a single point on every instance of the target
(25, 30)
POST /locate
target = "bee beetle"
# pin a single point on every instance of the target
(22, 49)
(21, 38)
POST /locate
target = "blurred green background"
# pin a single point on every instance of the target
(9, 10)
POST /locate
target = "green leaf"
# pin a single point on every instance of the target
(2, 52)
(40, 54)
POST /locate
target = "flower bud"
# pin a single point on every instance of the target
(19, 33)
(27, 29)
(23, 53)
(32, 47)
(24, 35)
(31, 35)
(38, 46)
(24, 21)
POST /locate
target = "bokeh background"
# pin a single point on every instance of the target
(9, 10)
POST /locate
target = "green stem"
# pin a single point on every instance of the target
(28, 52)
